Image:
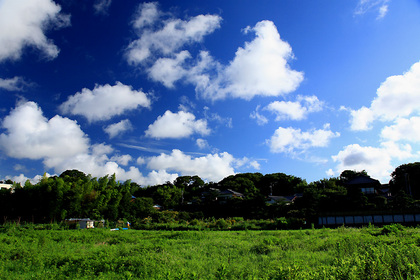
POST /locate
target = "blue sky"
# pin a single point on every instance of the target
(155, 90)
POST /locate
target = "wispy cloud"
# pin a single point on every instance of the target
(378, 6)
(13, 84)
(101, 7)
(167, 36)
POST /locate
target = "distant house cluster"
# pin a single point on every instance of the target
(368, 186)
(224, 196)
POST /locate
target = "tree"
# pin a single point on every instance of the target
(406, 178)
(73, 175)
(348, 175)
(191, 187)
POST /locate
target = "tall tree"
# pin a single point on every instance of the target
(406, 177)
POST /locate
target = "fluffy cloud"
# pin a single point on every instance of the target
(397, 97)
(31, 135)
(169, 70)
(213, 167)
(122, 160)
(23, 23)
(247, 162)
(361, 119)
(104, 102)
(297, 110)
(62, 145)
(147, 14)
(403, 129)
(13, 84)
(171, 34)
(376, 161)
(291, 140)
(261, 67)
(177, 125)
(118, 128)
(22, 179)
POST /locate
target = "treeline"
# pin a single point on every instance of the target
(74, 194)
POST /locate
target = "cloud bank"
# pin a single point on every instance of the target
(259, 68)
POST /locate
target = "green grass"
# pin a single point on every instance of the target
(344, 253)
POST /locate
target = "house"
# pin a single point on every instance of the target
(157, 207)
(286, 200)
(225, 195)
(222, 196)
(366, 185)
(83, 222)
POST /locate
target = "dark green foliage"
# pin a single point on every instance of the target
(76, 195)
(406, 178)
(348, 175)
(392, 229)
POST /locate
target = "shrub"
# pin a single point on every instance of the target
(392, 229)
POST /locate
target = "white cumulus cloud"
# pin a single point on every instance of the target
(118, 128)
(261, 68)
(212, 167)
(147, 14)
(291, 140)
(122, 160)
(377, 161)
(62, 145)
(297, 110)
(169, 70)
(398, 96)
(23, 24)
(403, 129)
(104, 102)
(177, 125)
(31, 135)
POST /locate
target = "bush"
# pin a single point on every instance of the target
(392, 229)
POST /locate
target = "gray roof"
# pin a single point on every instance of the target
(363, 180)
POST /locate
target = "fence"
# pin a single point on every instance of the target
(366, 219)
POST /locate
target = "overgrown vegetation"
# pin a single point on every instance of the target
(189, 199)
(28, 252)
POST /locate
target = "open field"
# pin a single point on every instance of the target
(391, 252)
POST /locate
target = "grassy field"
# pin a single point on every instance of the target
(391, 252)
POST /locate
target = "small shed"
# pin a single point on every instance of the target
(83, 222)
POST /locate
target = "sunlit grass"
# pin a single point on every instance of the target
(343, 253)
